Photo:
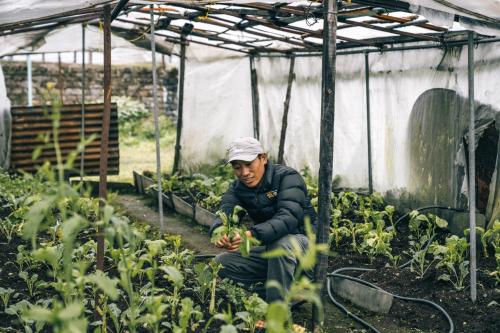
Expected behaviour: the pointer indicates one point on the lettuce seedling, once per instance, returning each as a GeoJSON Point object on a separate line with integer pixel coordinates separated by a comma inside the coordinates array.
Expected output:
{"type": "Point", "coordinates": [231, 227]}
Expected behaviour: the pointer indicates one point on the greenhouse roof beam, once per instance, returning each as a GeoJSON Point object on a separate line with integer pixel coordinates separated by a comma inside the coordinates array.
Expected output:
{"type": "Point", "coordinates": [67, 17]}
{"type": "Point", "coordinates": [270, 24]}
{"type": "Point", "coordinates": [215, 21]}
{"type": "Point", "coordinates": [207, 35]}
{"type": "Point", "coordinates": [392, 31]}
{"type": "Point", "coordinates": [408, 20]}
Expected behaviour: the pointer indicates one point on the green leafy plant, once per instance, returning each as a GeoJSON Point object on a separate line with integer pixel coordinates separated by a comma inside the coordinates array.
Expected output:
{"type": "Point", "coordinates": [255, 310]}
{"type": "Point", "coordinates": [5, 296]}
{"type": "Point", "coordinates": [189, 316]}
{"type": "Point", "coordinates": [377, 241]}
{"type": "Point", "coordinates": [8, 229]}
{"type": "Point", "coordinates": [61, 318]}
{"type": "Point", "coordinates": [337, 231]}
{"type": "Point", "coordinates": [32, 282]}
{"type": "Point", "coordinates": [451, 257]}
{"type": "Point", "coordinates": [231, 227]}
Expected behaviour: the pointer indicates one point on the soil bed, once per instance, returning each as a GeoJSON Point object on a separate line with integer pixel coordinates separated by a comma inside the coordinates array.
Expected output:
{"type": "Point", "coordinates": [482, 316]}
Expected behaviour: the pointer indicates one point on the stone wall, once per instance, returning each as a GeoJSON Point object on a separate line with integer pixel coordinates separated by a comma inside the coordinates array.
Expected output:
{"type": "Point", "coordinates": [133, 81]}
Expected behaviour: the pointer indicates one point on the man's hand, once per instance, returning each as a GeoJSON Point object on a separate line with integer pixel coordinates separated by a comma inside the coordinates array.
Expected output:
{"type": "Point", "coordinates": [234, 245]}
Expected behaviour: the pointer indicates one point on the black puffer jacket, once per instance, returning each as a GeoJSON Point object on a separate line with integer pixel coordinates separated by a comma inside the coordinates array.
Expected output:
{"type": "Point", "coordinates": [277, 206]}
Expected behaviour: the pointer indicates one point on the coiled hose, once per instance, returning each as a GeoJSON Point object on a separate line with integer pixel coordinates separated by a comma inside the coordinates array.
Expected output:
{"type": "Point", "coordinates": [366, 283]}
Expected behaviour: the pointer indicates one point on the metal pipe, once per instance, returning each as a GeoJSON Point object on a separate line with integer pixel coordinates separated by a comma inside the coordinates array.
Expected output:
{"type": "Point", "coordinates": [255, 96]}
{"type": "Point", "coordinates": [180, 105]}
{"type": "Point", "coordinates": [284, 121]}
{"type": "Point", "coordinates": [392, 49]}
{"type": "Point", "coordinates": [118, 9]}
{"type": "Point", "coordinates": [368, 124]}
{"type": "Point", "coordinates": [155, 113]}
{"type": "Point", "coordinates": [326, 142]}
{"type": "Point", "coordinates": [82, 130]}
{"type": "Point", "coordinates": [29, 69]}
{"type": "Point", "coordinates": [103, 163]}
{"type": "Point", "coordinates": [472, 168]}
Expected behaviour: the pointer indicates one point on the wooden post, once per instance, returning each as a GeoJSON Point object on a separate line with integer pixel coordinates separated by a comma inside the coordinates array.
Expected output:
{"type": "Point", "coordinates": [90, 57]}
{"type": "Point", "coordinates": [472, 169]}
{"type": "Point", "coordinates": [255, 96]}
{"type": "Point", "coordinates": [103, 165]}
{"type": "Point", "coordinates": [29, 69]}
{"type": "Point", "coordinates": [326, 142]}
{"type": "Point", "coordinates": [60, 78]}
{"type": "Point", "coordinates": [82, 133]}
{"type": "Point", "coordinates": [180, 105]}
{"type": "Point", "coordinates": [284, 122]}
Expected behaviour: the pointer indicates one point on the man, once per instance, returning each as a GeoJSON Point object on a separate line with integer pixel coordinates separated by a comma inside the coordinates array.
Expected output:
{"type": "Point", "coordinates": [275, 197]}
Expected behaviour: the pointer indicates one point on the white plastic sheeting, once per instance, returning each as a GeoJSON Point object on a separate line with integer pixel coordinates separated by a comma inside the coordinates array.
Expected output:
{"type": "Point", "coordinates": [397, 79]}
{"type": "Point", "coordinates": [23, 10]}
{"type": "Point", "coordinates": [217, 104]}
{"type": "Point", "coordinates": [5, 124]}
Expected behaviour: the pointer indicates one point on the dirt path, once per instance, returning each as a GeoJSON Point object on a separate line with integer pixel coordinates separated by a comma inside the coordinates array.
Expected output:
{"type": "Point", "coordinates": [194, 237]}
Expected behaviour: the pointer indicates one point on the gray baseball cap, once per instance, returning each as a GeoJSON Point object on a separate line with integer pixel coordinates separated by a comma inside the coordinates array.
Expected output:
{"type": "Point", "coordinates": [244, 149]}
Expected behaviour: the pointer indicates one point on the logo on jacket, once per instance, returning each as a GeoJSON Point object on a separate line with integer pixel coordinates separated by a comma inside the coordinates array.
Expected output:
{"type": "Point", "coordinates": [272, 194]}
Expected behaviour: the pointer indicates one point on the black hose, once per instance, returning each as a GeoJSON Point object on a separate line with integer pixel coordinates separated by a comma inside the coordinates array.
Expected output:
{"type": "Point", "coordinates": [346, 311]}
{"type": "Point", "coordinates": [366, 283]}
{"type": "Point", "coordinates": [429, 207]}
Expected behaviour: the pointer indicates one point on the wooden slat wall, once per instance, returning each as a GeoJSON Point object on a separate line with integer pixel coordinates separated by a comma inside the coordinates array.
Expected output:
{"type": "Point", "coordinates": [28, 123]}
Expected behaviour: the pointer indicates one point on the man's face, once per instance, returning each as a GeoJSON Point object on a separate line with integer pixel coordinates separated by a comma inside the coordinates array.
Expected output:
{"type": "Point", "coordinates": [250, 173]}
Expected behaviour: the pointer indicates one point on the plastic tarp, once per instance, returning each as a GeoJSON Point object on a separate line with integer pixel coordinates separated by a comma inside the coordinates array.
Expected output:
{"type": "Point", "coordinates": [480, 16]}
{"type": "Point", "coordinates": [24, 10]}
{"type": "Point", "coordinates": [397, 81]}
{"type": "Point", "coordinates": [5, 124]}
{"type": "Point", "coordinates": [217, 104]}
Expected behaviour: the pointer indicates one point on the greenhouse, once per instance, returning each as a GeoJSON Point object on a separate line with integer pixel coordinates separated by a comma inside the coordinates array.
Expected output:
{"type": "Point", "coordinates": [124, 131]}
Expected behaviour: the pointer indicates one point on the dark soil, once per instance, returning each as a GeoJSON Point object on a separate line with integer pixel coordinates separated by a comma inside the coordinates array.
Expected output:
{"type": "Point", "coordinates": [482, 316]}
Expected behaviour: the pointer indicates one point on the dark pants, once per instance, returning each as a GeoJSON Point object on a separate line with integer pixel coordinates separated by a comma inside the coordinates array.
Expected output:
{"type": "Point", "coordinates": [255, 269]}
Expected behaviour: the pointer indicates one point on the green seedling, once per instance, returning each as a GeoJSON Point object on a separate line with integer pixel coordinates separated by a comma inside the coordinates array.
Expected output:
{"type": "Point", "coordinates": [255, 310]}
{"type": "Point", "coordinates": [32, 282]}
{"type": "Point", "coordinates": [377, 241]}
{"type": "Point", "coordinates": [451, 257]}
{"type": "Point", "coordinates": [189, 317]}
{"type": "Point", "coordinates": [8, 229]}
{"type": "Point", "coordinates": [337, 232]}
{"type": "Point", "coordinates": [61, 318]}
{"type": "Point", "coordinates": [231, 227]}
{"type": "Point", "coordinates": [155, 313]}
{"type": "Point", "coordinates": [5, 296]}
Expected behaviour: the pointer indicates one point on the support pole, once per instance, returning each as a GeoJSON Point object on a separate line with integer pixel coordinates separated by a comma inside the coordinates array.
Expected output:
{"type": "Point", "coordinates": [29, 69]}
{"type": "Point", "coordinates": [103, 163]}
{"type": "Point", "coordinates": [60, 78]}
{"type": "Point", "coordinates": [82, 130]}
{"type": "Point", "coordinates": [284, 121]}
{"type": "Point", "coordinates": [255, 97]}
{"type": "Point", "coordinates": [472, 169]}
{"type": "Point", "coordinates": [326, 143]}
{"type": "Point", "coordinates": [155, 113]}
{"type": "Point", "coordinates": [368, 124]}
{"type": "Point", "coordinates": [180, 105]}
